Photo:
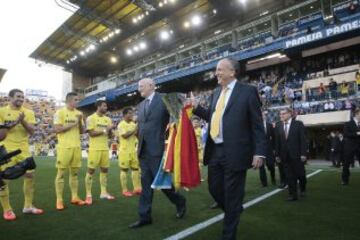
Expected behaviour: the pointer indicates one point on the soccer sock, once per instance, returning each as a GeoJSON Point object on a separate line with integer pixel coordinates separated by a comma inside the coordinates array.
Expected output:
{"type": "Point", "coordinates": [28, 191]}
{"type": "Point", "coordinates": [123, 180]}
{"type": "Point", "coordinates": [88, 184]}
{"type": "Point", "coordinates": [59, 184]}
{"type": "Point", "coordinates": [136, 179]}
{"type": "Point", "coordinates": [74, 183]}
{"type": "Point", "coordinates": [4, 197]}
{"type": "Point", "coordinates": [103, 183]}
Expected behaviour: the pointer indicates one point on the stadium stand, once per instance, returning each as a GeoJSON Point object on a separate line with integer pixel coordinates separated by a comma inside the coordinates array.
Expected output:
{"type": "Point", "coordinates": [305, 55]}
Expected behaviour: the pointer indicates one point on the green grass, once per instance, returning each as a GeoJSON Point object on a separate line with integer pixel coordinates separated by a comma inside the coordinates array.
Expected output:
{"type": "Point", "coordinates": [329, 212]}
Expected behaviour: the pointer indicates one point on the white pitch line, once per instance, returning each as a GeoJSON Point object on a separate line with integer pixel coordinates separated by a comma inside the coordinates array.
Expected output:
{"type": "Point", "coordinates": [191, 230]}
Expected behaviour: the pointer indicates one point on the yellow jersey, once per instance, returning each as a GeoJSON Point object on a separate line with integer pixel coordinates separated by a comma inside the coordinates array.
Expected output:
{"type": "Point", "coordinates": [98, 123]}
{"type": "Point", "coordinates": [127, 145]}
{"type": "Point", "coordinates": [17, 137]}
{"type": "Point", "coordinates": [70, 138]}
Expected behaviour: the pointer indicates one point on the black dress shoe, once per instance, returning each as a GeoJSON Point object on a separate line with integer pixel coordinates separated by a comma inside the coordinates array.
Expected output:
{"type": "Point", "coordinates": [180, 211]}
{"type": "Point", "coordinates": [215, 205]}
{"type": "Point", "coordinates": [283, 186]}
{"type": "Point", "coordinates": [140, 224]}
{"type": "Point", "coordinates": [292, 199]}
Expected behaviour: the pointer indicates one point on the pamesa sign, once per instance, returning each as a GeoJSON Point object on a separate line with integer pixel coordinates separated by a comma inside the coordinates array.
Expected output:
{"type": "Point", "coordinates": [342, 28]}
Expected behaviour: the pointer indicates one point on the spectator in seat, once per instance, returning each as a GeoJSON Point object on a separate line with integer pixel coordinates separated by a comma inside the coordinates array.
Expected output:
{"type": "Point", "coordinates": [357, 76]}
{"type": "Point", "coordinates": [344, 89]}
{"type": "Point", "coordinates": [322, 91]}
{"type": "Point", "coordinates": [333, 88]}
{"type": "Point", "coordinates": [352, 8]}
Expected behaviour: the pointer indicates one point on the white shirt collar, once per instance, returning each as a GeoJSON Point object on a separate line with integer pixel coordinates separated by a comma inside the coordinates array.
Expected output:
{"type": "Point", "coordinates": [356, 121]}
{"type": "Point", "coordinates": [150, 98]}
{"type": "Point", "coordinates": [231, 85]}
{"type": "Point", "coordinates": [289, 122]}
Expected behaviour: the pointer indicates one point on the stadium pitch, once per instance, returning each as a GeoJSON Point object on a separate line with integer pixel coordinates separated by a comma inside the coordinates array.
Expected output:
{"type": "Point", "coordinates": [329, 211]}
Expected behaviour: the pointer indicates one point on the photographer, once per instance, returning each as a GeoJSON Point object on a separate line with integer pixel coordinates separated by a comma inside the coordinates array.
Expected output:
{"type": "Point", "coordinates": [20, 123]}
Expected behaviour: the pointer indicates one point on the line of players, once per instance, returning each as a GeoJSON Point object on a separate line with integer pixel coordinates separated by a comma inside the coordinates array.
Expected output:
{"type": "Point", "coordinates": [69, 125]}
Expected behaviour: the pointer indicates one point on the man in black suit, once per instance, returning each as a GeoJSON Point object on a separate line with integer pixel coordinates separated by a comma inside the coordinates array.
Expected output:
{"type": "Point", "coordinates": [236, 141]}
{"type": "Point", "coordinates": [351, 145]}
{"type": "Point", "coordinates": [290, 150]}
{"type": "Point", "coordinates": [334, 150]}
{"type": "Point", "coordinates": [270, 159]}
{"type": "Point", "coordinates": [153, 118]}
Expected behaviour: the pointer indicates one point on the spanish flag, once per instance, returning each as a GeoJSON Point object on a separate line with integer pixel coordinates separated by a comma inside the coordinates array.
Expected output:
{"type": "Point", "coordinates": [181, 157]}
{"type": "Point", "coordinates": [182, 152]}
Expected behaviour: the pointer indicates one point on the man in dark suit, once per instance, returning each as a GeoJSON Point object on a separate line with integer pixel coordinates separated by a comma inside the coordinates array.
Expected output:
{"type": "Point", "coordinates": [236, 141]}
{"type": "Point", "coordinates": [351, 145]}
{"type": "Point", "coordinates": [334, 149]}
{"type": "Point", "coordinates": [290, 150]}
{"type": "Point", "coordinates": [153, 118]}
{"type": "Point", "coordinates": [270, 159]}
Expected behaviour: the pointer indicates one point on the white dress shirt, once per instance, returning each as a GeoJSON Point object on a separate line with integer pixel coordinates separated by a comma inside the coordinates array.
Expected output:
{"type": "Point", "coordinates": [356, 122]}
{"type": "Point", "coordinates": [150, 98]}
{"type": "Point", "coordinates": [219, 139]}
{"type": "Point", "coordinates": [288, 127]}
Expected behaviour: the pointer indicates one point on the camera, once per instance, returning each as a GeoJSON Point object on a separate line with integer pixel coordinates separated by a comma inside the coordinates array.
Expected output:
{"type": "Point", "coordinates": [17, 170]}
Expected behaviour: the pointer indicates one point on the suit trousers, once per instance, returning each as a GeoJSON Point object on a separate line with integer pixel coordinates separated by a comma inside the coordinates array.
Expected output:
{"type": "Point", "coordinates": [149, 167]}
{"type": "Point", "coordinates": [262, 172]}
{"type": "Point", "coordinates": [282, 173]}
{"type": "Point", "coordinates": [349, 158]}
{"type": "Point", "coordinates": [227, 187]}
{"type": "Point", "coordinates": [295, 171]}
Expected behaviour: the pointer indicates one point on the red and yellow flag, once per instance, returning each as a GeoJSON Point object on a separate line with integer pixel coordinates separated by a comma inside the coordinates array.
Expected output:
{"type": "Point", "coordinates": [182, 152]}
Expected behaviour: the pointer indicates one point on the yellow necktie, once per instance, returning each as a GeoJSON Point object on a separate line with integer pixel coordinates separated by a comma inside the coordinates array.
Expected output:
{"type": "Point", "coordinates": [216, 118]}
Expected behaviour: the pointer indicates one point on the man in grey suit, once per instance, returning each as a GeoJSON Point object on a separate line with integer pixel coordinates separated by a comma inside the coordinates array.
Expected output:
{"type": "Point", "coordinates": [236, 141]}
{"type": "Point", "coordinates": [153, 118]}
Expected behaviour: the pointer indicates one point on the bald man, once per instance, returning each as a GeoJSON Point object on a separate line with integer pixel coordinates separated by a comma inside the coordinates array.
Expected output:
{"type": "Point", "coordinates": [153, 118]}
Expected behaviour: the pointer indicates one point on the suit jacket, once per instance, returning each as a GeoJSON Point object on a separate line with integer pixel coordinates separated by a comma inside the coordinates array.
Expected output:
{"type": "Point", "coordinates": [243, 130]}
{"type": "Point", "coordinates": [152, 126]}
{"type": "Point", "coordinates": [270, 143]}
{"type": "Point", "coordinates": [295, 145]}
{"type": "Point", "coordinates": [335, 144]}
{"type": "Point", "coordinates": [352, 140]}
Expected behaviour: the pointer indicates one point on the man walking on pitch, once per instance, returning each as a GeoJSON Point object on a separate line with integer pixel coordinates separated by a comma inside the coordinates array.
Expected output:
{"type": "Point", "coordinates": [153, 117]}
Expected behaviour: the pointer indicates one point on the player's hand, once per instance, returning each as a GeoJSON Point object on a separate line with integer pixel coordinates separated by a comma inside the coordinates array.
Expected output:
{"type": "Point", "coordinates": [303, 158]}
{"type": "Point", "coordinates": [358, 133]}
{"type": "Point", "coordinates": [109, 128]}
{"type": "Point", "coordinates": [21, 117]}
{"type": "Point", "coordinates": [80, 117]}
{"type": "Point", "coordinates": [257, 162]}
{"type": "Point", "coordinates": [277, 159]}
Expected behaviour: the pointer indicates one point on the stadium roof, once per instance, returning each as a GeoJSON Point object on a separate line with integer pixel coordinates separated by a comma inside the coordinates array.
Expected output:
{"type": "Point", "coordinates": [96, 39]}
{"type": "Point", "coordinates": [2, 73]}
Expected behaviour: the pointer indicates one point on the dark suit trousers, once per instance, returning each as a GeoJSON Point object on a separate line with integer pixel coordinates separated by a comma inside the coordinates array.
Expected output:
{"type": "Point", "coordinates": [282, 174]}
{"type": "Point", "coordinates": [227, 187]}
{"type": "Point", "coordinates": [149, 167]}
{"type": "Point", "coordinates": [262, 172]}
{"type": "Point", "coordinates": [349, 156]}
{"type": "Point", "coordinates": [295, 171]}
{"type": "Point", "coordinates": [334, 158]}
